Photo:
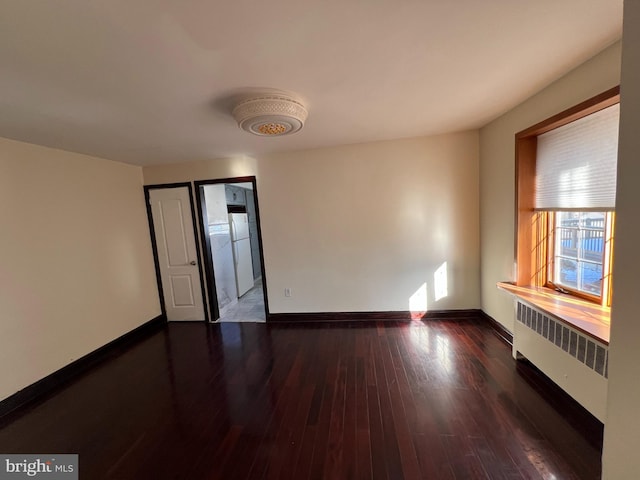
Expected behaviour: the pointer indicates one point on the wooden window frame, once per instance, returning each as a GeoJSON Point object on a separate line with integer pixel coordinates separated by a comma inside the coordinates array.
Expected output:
{"type": "Point", "coordinates": [532, 227]}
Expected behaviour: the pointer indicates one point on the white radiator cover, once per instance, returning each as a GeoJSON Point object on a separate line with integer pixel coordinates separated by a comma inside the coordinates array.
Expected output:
{"type": "Point", "coordinates": [574, 361]}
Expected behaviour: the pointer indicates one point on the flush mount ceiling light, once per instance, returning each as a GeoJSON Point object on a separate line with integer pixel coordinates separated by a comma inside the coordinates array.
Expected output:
{"type": "Point", "coordinates": [270, 115]}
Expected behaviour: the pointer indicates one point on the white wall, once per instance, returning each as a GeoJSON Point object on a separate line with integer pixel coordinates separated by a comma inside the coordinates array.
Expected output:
{"type": "Point", "coordinates": [622, 430]}
{"type": "Point", "coordinates": [76, 268]}
{"type": "Point", "coordinates": [497, 170]}
{"type": "Point", "coordinates": [362, 227]}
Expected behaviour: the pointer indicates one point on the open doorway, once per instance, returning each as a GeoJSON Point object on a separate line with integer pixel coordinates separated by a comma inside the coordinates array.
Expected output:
{"type": "Point", "coordinates": [234, 267]}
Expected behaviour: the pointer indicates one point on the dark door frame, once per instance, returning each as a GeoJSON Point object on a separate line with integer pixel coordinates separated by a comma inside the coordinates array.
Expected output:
{"type": "Point", "coordinates": [214, 312]}
{"type": "Point", "coordinates": [154, 246]}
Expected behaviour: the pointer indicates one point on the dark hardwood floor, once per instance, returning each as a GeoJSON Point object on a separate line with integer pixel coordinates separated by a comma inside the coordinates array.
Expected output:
{"type": "Point", "coordinates": [380, 400]}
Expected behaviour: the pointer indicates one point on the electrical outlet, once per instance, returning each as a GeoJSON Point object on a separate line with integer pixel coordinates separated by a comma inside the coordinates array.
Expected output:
{"type": "Point", "coordinates": [287, 292]}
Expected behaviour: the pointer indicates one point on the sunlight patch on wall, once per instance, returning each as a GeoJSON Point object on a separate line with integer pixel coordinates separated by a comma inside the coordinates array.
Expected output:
{"type": "Point", "coordinates": [440, 285]}
{"type": "Point", "coordinates": [418, 302]}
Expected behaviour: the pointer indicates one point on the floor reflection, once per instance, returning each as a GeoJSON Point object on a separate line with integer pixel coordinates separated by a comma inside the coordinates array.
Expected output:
{"type": "Point", "coordinates": [249, 308]}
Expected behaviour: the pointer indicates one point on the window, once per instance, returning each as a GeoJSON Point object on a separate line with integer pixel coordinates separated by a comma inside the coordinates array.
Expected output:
{"type": "Point", "coordinates": [566, 177]}
{"type": "Point", "coordinates": [579, 246]}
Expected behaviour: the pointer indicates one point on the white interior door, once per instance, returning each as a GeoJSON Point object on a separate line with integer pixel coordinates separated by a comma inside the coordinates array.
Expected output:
{"type": "Point", "coordinates": [177, 255]}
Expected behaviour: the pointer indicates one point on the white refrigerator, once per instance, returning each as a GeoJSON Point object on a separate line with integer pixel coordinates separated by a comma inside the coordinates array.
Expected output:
{"type": "Point", "coordinates": [239, 226]}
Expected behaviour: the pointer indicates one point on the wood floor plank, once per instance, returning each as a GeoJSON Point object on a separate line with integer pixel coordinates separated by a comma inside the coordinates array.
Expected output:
{"type": "Point", "coordinates": [292, 444]}
{"type": "Point", "coordinates": [335, 441]}
{"type": "Point", "coordinates": [389, 437]}
{"type": "Point", "coordinates": [430, 399]}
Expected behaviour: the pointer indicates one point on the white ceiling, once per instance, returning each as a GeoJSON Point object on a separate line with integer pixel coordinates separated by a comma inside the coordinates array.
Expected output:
{"type": "Point", "coordinates": [149, 81]}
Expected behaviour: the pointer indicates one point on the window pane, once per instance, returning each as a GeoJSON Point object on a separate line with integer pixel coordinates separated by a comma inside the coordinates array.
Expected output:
{"type": "Point", "coordinates": [567, 242]}
{"type": "Point", "coordinates": [579, 250]}
{"type": "Point", "coordinates": [591, 278]}
{"type": "Point", "coordinates": [592, 236]}
{"type": "Point", "coordinates": [567, 273]}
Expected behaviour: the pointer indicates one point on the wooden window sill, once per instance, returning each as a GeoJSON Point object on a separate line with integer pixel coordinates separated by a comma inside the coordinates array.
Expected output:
{"type": "Point", "coordinates": [589, 318]}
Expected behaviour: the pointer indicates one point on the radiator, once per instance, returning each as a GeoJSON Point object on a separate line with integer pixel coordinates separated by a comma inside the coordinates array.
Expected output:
{"type": "Point", "coordinates": [575, 361]}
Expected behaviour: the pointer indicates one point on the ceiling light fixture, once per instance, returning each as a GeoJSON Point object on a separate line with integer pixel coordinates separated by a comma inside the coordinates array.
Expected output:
{"type": "Point", "coordinates": [270, 114]}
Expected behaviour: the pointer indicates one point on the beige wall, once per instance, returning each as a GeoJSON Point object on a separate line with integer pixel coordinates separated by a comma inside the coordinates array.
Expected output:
{"type": "Point", "coordinates": [76, 263]}
{"type": "Point", "coordinates": [497, 170]}
{"type": "Point", "coordinates": [240, 166]}
{"type": "Point", "coordinates": [363, 227]}
{"type": "Point", "coordinates": [622, 430]}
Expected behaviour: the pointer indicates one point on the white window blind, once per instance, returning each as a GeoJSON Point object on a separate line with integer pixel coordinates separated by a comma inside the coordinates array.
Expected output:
{"type": "Point", "coordinates": [576, 164]}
